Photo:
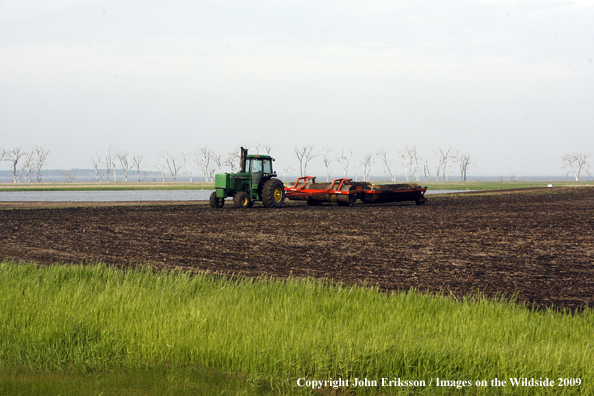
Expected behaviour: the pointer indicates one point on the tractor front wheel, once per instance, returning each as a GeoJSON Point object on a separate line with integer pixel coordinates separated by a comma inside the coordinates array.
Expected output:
{"type": "Point", "coordinates": [216, 202]}
{"type": "Point", "coordinates": [242, 200]}
{"type": "Point", "coordinates": [273, 193]}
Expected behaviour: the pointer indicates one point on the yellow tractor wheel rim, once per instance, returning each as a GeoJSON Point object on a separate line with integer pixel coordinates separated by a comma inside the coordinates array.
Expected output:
{"type": "Point", "coordinates": [244, 201]}
{"type": "Point", "coordinates": [278, 194]}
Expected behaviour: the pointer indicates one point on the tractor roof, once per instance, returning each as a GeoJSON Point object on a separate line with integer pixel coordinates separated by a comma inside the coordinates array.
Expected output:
{"type": "Point", "coordinates": [258, 156]}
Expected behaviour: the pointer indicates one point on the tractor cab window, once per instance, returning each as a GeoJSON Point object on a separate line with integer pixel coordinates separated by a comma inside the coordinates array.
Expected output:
{"type": "Point", "coordinates": [267, 166]}
{"type": "Point", "coordinates": [256, 166]}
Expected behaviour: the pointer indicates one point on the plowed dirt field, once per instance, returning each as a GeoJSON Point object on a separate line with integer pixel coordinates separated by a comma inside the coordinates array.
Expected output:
{"type": "Point", "coordinates": [535, 244]}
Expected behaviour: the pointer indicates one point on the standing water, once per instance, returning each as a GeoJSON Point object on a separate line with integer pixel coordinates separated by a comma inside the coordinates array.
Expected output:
{"type": "Point", "coordinates": [105, 196]}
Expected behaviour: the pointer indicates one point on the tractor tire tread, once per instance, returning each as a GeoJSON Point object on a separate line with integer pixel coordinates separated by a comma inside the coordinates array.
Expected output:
{"type": "Point", "coordinates": [268, 193]}
{"type": "Point", "coordinates": [238, 200]}
{"type": "Point", "coordinates": [214, 202]}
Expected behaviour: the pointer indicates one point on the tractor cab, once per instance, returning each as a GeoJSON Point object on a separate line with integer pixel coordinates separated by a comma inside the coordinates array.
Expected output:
{"type": "Point", "coordinates": [257, 164]}
{"type": "Point", "coordinates": [254, 182]}
{"type": "Point", "coordinates": [260, 168]}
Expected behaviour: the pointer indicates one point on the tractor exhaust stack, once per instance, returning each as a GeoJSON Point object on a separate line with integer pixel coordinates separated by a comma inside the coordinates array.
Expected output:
{"type": "Point", "coordinates": [242, 159]}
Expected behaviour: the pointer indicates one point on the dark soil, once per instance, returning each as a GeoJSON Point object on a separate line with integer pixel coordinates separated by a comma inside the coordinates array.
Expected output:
{"type": "Point", "coordinates": [537, 245]}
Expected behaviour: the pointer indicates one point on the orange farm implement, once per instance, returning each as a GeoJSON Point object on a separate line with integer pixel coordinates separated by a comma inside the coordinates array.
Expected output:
{"type": "Point", "coordinates": [345, 192]}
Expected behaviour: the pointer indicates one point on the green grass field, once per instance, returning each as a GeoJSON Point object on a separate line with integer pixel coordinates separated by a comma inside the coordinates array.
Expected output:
{"type": "Point", "coordinates": [138, 332]}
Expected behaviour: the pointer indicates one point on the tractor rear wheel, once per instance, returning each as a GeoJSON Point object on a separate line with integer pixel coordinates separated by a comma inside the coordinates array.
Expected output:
{"type": "Point", "coordinates": [242, 200]}
{"type": "Point", "coordinates": [273, 193]}
{"type": "Point", "coordinates": [216, 202]}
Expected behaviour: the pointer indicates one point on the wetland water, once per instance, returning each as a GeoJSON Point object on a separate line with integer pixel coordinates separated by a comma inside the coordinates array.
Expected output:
{"type": "Point", "coordinates": [119, 196]}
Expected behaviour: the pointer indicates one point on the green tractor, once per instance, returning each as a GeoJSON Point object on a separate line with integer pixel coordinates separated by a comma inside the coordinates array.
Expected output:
{"type": "Point", "coordinates": [254, 182]}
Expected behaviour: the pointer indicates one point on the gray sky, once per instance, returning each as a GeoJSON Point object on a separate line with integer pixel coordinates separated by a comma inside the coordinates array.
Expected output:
{"type": "Point", "coordinates": [510, 82]}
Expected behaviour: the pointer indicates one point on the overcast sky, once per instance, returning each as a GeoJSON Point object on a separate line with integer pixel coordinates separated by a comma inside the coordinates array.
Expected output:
{"type": "Point", "coordinates": [509, 82]}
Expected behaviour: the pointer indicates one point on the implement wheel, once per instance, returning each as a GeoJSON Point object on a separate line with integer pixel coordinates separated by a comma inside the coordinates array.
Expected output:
{"type": "Point", "coordinates": [366, 198]}
{"type": "Point", "coordinates": [273, 193]}
{"type": "Point", "coordinates": [349, 203]}
{"type": "Point", "coordinates": [242, 200]}
{"type": "Point", "coordinates": [346, 200]}
{"type": "Point", "coordinates": [216, 202]}
{"type": "Point", "coordinates": [421, 201]}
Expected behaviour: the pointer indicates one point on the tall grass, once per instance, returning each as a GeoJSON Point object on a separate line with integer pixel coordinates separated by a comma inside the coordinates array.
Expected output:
{"type": "Point", "coordinates": [97, 318]}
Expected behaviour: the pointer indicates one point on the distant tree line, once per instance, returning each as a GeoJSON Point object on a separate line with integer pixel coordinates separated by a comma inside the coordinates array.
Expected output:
{"type": "Point", "coordinates": [25, 164]}
{"type": "Point", "coordinates": [414, 165]}
{"type": "Point", "coordinates": [170, 165]}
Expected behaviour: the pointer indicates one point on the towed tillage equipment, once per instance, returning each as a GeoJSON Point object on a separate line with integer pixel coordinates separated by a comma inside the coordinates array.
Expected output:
{"type": "Point", "coordinates": [345, 192]}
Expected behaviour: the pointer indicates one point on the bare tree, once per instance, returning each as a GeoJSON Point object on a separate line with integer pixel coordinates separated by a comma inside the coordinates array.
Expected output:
{"type": "Point", "coordinates": [577, 163]}
{"type": "Point", "coordinates": [41, 154]}
{"type": "Point", "coordinates": [112, 156]}
{"type": "Point", "coordinates": [264, 148]}
{"type": "Point", "coordinates": [410, 160]}
{"type": "Point", "coordinates": [416, 159]}
{"type": "Point", "coordinates": [443, 156]}
{"type": "Point", "coordinates": [464, 162]}
{"type": "Point", "coordinates": [159, 169]}
{"type": "Point", "coordinates": [512, 178]}
{"type": "Point", "coordinates": [204, 158]}
{"type": "Point", "coordinates": [2, 152]}
{"type": "Point", "coordinates": [171, 164]}
{"type": "Point", "coordinates": [366, 162]}
{"type": "Point", "coordinates": [233, 158]}
{"type": "Point", "coordinates": [136, 160]}
{"type": "Point", "coordinates": [96, 163]}
{"type": "Point", "coordinates": [383, 156]}
{"type": "Point", "coordinates": [231, 161]}
{"type": "Point", "coordinates": [452, 160]}
{"type": "Point", "coordinates": [357, 171]}
{"type": "Point", "coordinates": [14, 155]}
{"type": "Point", "coordinates": [188, 170]}
{"type": "Point", "coordinates": [69, 176]}
{"type": "Point", "coordinates": [126, 166]}
{"type": "Point", "coordinates": [28, 165]}
{"type": "Point", "coordinates": [217, 164]}
{"type": "Point", "coordinates": [326, 153]}
{"type": "Point", "coordinates": [285, 171]}
{"type": "Point", "coordinates": [426, 170]}
{"type": "Point", "coordinates": [109, 163]}
{"type": "Point", "coordinates": [406, 161]}
{"type": "Point", "coordinates": [304, 155]}
{"type": "Point", "coordinates": [344, 159]}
